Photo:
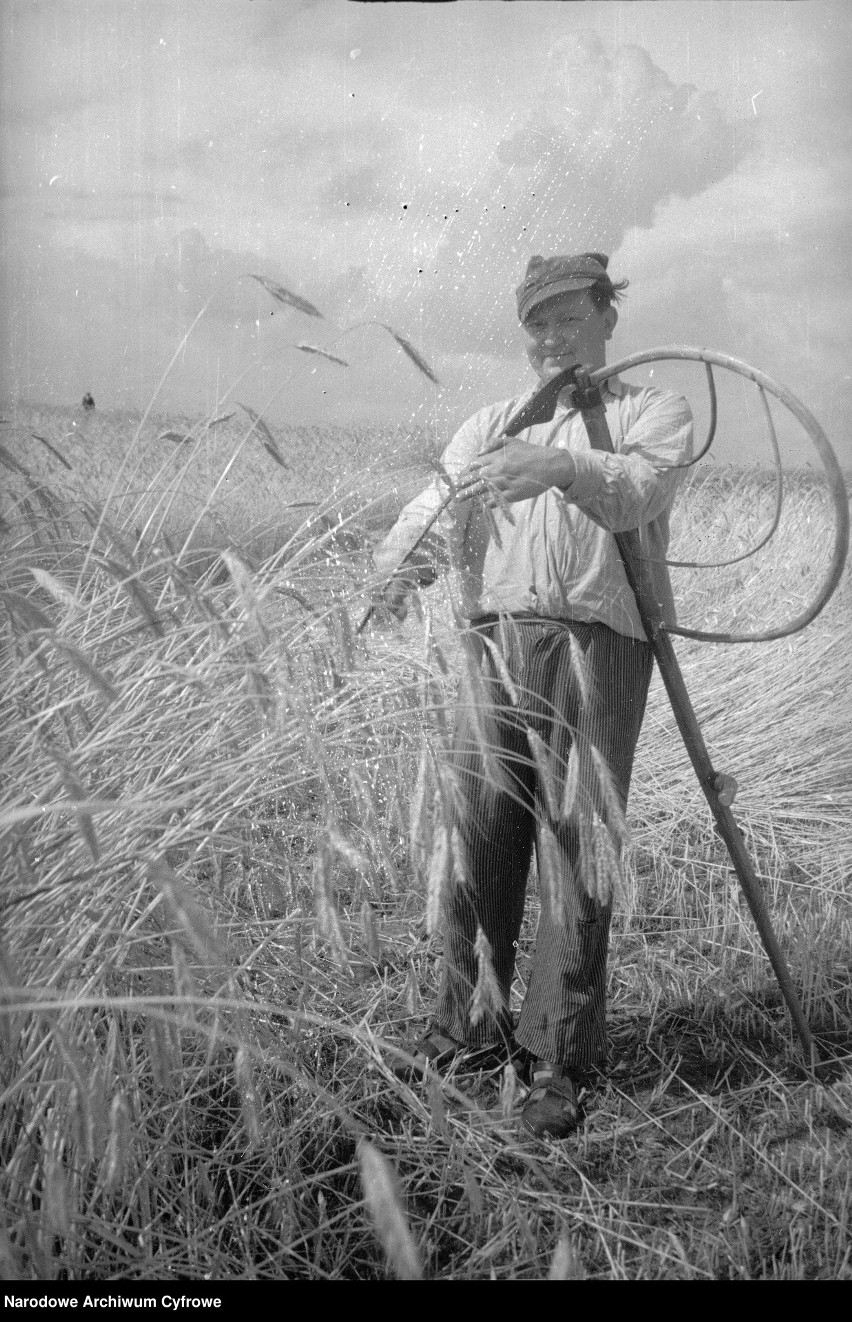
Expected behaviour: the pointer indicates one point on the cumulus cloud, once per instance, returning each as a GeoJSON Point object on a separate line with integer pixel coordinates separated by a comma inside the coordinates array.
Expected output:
{"type": "Point", "coordinates": [611, 139]}
{"type": "Point", "coordinates": [402, 163]}
{"type": "Point", "coordinates": [190, 273]}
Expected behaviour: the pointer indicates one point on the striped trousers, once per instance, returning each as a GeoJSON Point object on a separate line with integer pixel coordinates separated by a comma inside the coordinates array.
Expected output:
{"type": "Point", "coordinates": [589, 692]}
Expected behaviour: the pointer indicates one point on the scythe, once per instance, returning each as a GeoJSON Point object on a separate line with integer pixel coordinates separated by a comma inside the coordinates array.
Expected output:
{"type": "Point", "coordinates": [586, 397]}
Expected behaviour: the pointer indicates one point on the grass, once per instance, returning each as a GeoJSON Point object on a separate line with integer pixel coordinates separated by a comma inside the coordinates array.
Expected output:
{"type": "Point", "coordinates": [213, 923]}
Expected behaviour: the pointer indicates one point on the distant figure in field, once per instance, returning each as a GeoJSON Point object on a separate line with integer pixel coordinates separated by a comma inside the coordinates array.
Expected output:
{"type": "Point", "coordinates": [88, 402]}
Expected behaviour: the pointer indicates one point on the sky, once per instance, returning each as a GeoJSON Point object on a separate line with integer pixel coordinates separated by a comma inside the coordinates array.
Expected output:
{"type": "Point", "coordinates": [399, 164]}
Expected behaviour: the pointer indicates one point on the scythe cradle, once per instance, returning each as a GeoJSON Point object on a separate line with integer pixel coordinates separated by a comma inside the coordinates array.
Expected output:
{"type": "Point", "coordinates": [586, 397]}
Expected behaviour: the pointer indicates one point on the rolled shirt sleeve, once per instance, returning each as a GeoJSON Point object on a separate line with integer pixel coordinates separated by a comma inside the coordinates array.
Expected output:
{"type": "Point", "coordinates": [389, 554]}
{"type": "Point", "coordinates": [638, 483]}
{"type": "Point", "coordinates": [449, 528]}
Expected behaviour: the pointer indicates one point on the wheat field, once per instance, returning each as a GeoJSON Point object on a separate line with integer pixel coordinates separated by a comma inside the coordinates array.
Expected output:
{"type": "Point", "coordinates": [213, 916]}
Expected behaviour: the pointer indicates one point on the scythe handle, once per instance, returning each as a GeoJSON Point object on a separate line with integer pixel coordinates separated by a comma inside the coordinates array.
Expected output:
{"type": "Point", "coordinates": [731, 834]}
{"type": "Point", "coordinates": [594, 417]}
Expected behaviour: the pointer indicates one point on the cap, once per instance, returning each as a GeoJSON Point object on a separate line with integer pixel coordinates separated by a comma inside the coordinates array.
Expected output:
{"type": "Point", "coordinates": [548, 276]}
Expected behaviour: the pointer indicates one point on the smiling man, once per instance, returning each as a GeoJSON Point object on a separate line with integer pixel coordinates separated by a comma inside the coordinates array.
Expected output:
{"type": "Point", "coordinates": [562, 667]}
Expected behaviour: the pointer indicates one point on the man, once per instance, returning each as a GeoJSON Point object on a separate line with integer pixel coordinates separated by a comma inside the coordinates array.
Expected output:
{"type": "Point", "coordinates": [544, 754]}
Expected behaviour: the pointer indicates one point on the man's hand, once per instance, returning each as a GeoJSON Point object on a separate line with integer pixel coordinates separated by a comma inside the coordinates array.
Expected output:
{"type": "Point", "coordinates": [396, 594]}
{"type": "Point", "coordinates": [391, 600]}
{"type": "Point", "coordinates": [509, 471]}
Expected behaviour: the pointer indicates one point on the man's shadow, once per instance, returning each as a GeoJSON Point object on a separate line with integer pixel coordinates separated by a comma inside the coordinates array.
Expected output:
{"type": "Point", "coordinates": [724, 1047]}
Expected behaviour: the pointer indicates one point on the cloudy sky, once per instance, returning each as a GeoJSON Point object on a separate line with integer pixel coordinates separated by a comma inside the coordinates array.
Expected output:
{"type": "Point", "coordinates": [399, 163]}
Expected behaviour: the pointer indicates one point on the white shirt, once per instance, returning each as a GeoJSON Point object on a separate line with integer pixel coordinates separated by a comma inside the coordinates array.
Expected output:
{"type": "Point", "coordinates": [559, 559]}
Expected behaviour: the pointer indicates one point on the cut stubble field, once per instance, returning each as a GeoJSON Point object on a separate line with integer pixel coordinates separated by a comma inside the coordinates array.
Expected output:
{"type": "Point", "coordinates": [218, 913]}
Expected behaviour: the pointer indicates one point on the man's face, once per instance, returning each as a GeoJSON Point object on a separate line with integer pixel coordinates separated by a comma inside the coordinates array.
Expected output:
{"type": "Point", "coordinates": [568, 331]}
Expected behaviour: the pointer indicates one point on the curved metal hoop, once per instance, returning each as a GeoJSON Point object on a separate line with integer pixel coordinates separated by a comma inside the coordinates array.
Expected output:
{"type": "Point", "coordinates": [828, 459]}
